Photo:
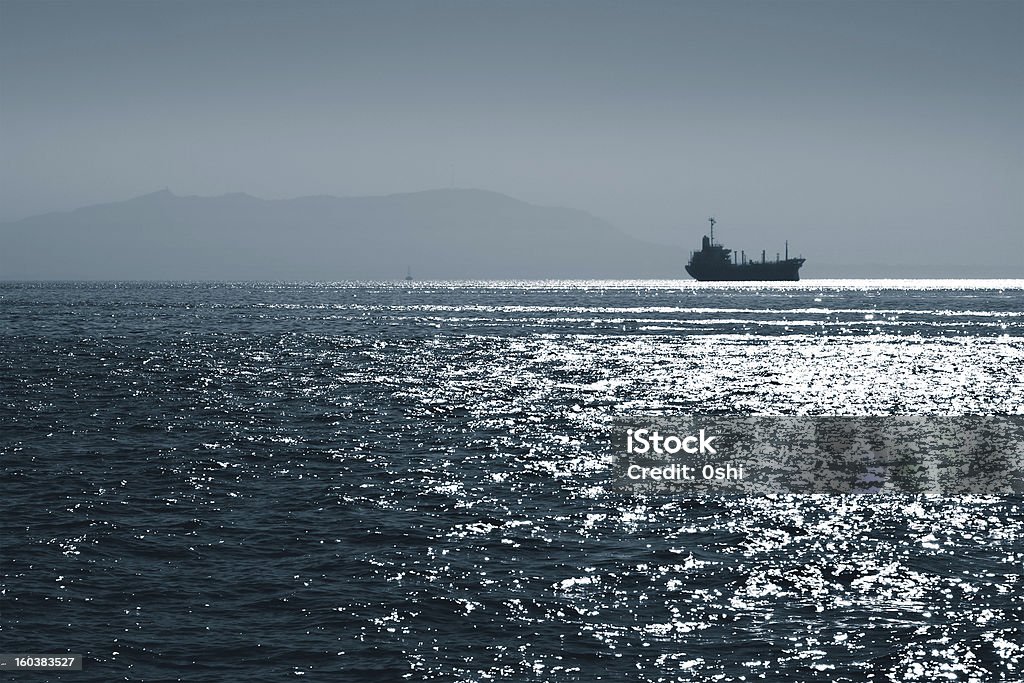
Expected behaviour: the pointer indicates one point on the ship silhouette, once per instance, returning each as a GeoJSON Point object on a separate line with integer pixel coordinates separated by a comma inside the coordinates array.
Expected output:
{"type": "Point", "coordinates": [715, 262]}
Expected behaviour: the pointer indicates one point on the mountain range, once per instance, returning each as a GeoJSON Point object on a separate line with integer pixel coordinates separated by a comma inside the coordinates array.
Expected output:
{"type": "Point", "coordinates": [438, 234]}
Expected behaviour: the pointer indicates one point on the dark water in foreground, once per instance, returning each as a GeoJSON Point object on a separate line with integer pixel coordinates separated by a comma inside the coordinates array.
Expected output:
{"type": "Point", "coordinates": [227, 482]}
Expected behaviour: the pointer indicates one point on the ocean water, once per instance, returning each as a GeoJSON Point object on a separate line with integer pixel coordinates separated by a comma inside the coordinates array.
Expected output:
{"type": "Point", "coordinates": [412, 481]}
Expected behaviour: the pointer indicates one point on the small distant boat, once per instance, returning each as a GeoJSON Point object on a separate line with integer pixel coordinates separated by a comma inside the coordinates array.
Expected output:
{"type": "Point", "coordinates": [408, 274]}
{"type": "Point", "coordinates": [715, 262]}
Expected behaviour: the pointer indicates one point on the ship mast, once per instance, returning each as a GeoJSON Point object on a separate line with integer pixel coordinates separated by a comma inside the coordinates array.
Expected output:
{"type": "Point", "coordinates": [712, 221]}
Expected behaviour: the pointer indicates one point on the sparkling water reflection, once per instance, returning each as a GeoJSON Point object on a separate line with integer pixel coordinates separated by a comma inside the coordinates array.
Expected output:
{"type": "Point", "coordinates": [227, 481]}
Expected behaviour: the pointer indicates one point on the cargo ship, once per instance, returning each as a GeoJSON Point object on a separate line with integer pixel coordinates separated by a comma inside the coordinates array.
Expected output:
{"type": "Point", "coordinates": [715, 262]}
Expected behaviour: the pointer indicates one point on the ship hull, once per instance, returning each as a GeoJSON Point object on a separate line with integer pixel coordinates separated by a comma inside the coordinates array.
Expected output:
{"type": "Point", "coordinates": [773, 271]}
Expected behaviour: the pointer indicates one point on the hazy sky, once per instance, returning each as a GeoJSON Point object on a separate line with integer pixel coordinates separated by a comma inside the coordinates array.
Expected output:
{"type": "Point", "coordinates": [830, 123]}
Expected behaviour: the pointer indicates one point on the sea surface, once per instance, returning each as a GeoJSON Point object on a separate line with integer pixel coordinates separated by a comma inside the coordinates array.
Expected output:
{"type": "Point", "coordinates": [412, 481]}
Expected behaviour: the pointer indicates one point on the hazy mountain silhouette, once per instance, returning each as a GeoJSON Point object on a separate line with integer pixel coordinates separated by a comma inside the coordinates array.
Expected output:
{"type": "Point", "coordinates": [438, 233]}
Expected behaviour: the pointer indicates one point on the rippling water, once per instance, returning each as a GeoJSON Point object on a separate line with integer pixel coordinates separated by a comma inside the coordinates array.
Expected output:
{"type": "Point", "coordinates": [388, 482]}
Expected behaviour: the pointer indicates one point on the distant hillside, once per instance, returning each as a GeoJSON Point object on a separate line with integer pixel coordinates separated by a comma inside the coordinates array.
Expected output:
{"type": "Point", "coordinates": [438, 234]}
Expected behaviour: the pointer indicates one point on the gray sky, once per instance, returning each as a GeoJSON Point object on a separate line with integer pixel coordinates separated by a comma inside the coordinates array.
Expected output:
{"type": "Point", "coordinates": [835, 124]}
